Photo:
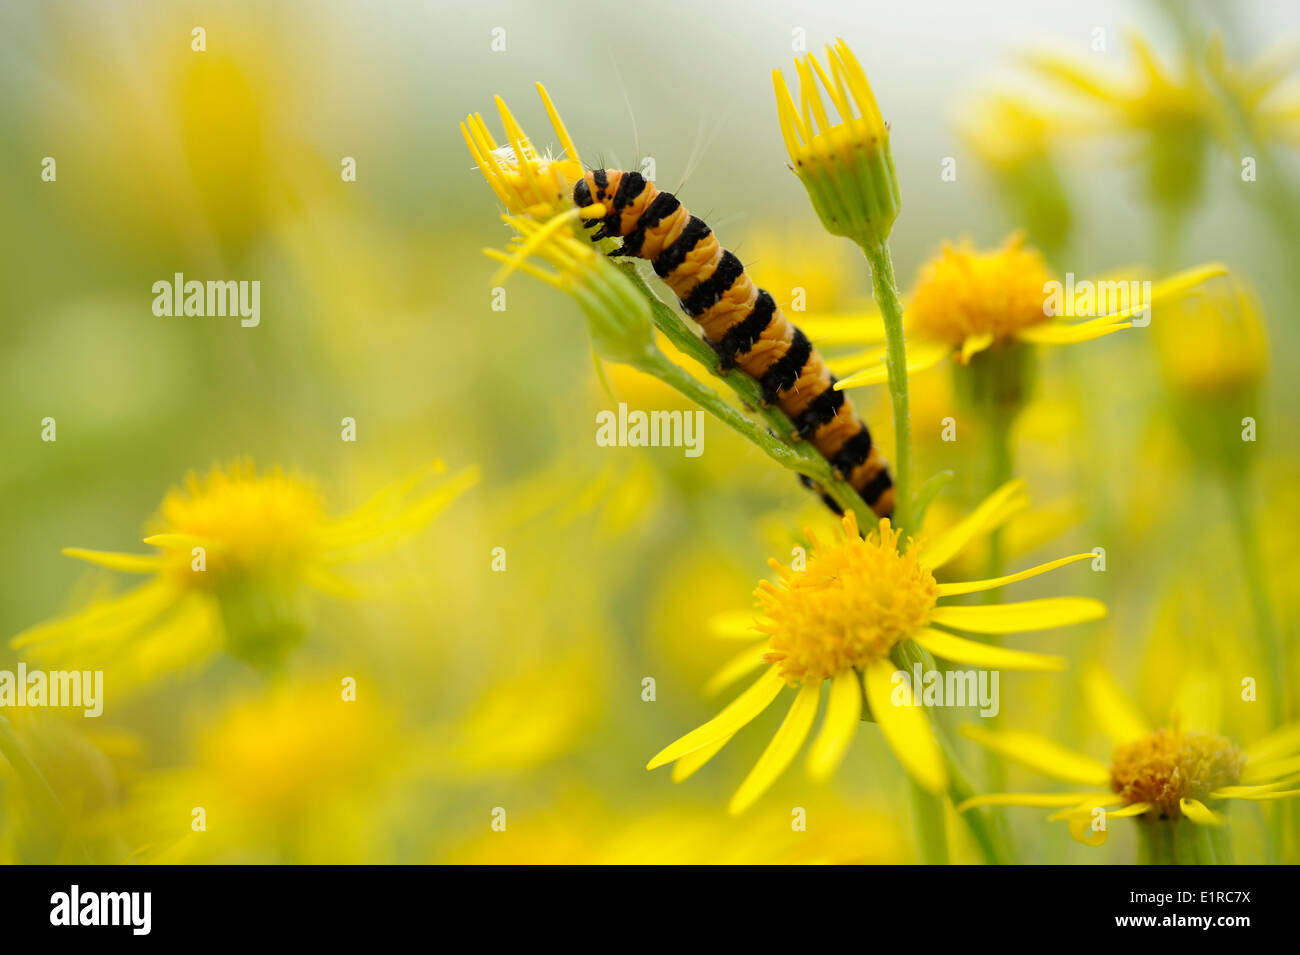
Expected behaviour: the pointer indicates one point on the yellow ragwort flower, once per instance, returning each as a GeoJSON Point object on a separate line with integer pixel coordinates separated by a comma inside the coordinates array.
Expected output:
{"type": "Point", "coordinates": [237, 552]}
{"type": "Point", "coordinates": [293, 775]}
{"type": "Point", "coordinates": [527, 183]}
{"type": "Point", "coordinates": [841, 618]}
{"type": "Point", "coordinates": [623, 834]}
{"type": "Point", "coordinates": [843, 160]}
{"type": "Point", "coordinates": [1171, 110]}
{"type": "Point", "coordinates": [967, 301]}
{"type": "Point", "coordinates": [1263, 92]}
{"type": "Point", "coordinates": [1161, 774]}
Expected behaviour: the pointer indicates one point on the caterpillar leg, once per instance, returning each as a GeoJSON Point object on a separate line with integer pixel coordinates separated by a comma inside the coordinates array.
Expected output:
{"type": "Point", "coordinates": [829, 501]}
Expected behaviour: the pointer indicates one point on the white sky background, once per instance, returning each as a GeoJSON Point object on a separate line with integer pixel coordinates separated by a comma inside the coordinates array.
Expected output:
{"type": "Point", "coordinates": [684, 64]}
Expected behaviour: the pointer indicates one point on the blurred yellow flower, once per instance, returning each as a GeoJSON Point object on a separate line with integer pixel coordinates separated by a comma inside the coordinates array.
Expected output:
{"type": "Point", "coordinates": [523, 721]}
{"type": "Point", "coordinates": [804, 269]}
{"type": "Point", "coordinates": [1212, 343]}
{"type": "Point", "coordinates": [1016, 140]}
{"type": "Point", "coordinates": [841, 618]}
{"type": "Point", "coordinates": [966, 302]}
{"type": "Point", "coordinates": [236, 553]}
{"type": "Point", "coordinates": [1162, 775]}
{"type": "Point", "coordinates": [1177, 112]}
{"type": "Point", "coordinates": [1172, 111]}
{"type": "Point", "coordinates": [526, 183]}
{"type": "Point", "coordinates": [296, 776]}
{"type": "Point", "coordinates": [583, 830]}
{"type": "Point", "coordinates": [61, 783]}
{"type": "Point", "coordinates": [844, 161]}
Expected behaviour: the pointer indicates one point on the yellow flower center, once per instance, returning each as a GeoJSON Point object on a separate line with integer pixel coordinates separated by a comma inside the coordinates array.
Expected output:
{"type": "Point", "coordinates": [965, 294]}
{"type": "Point", "coordinates": [269, 524]}
{"type": "Point", "coordinates": [526, 183]}
{"type": "Point", "coordinates": [1170, 765]}
{"type": "Point", "coordinates": [543, 183]}
{"type": "Point", "coordinates": [849, 606]}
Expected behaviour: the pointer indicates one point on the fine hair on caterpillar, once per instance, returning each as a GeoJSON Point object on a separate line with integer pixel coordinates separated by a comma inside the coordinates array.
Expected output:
{"type": "Point", "coordinates": [740, 320]}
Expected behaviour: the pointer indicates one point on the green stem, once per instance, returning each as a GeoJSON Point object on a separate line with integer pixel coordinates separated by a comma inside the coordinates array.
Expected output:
{"type": "Point", "coordinates": [685, 340]}
{"type": "Point", "coordinates": [802, 459]}
{"type": "Point", "coordinates": [931, 826]}
{"type": "Point", "coordinates": [998, 422]}
{"type": "Point", "coordinates": [1181, 842]}
{"type": "Point", "coordinates": [1266, 637]}
{"type": "Point", "coordinates": [38, 790]}
{"type": "Point", "coordinates": [1170, 216]}
{"type": "Point", "coordinates": [978, 822]}
{"type": "Point", "coordinates": [779, 440]}
{"type": "Point", "coordinates": [885, 288]}
{"type": "Point", "coordinates": [1221, 837]}
{"type": "Point", "coordinates": [37, 787]}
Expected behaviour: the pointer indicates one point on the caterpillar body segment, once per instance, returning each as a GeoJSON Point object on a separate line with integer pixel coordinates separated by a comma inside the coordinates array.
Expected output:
{"type": "Point", "coordinates": [741, 321]}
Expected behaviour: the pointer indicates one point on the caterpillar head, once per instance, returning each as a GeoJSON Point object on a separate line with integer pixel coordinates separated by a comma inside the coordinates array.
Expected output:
{"type": "Point", "coordinates": [608, 187]}
{"type": "Point", "coordinates": [598, 185]}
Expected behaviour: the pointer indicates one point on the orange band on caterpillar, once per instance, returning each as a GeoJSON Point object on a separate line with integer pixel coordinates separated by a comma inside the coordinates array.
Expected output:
{"type": "Point", "coordinates": [741, 321]}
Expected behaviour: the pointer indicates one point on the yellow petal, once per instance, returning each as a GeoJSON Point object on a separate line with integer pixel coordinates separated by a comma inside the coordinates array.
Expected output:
{"type": "Point", "coordinates": [905, 728]}
{"type": "Point", "coordinates": [973, 345]}
{"type": "Point", "coordinates": [870, 360]}
{"type": "Point", "coordinates": [992, 511]}
{"type": "Point", "coordinates": [1041, 754]}
{"type": "Point", "coordinates": [876, 374]}
{"type": "Point", "coordinates": [1280, 742]}
{"type": "Point", "coordinates": [1136, 809]}
{"type": "Point", "coordinates": [746, 661]}
{"type": "Point", "coordinates": [1197, 701]}
{"type": "Point", "coordinates": [688, 764]}
{"type": "Point", "coordinates": [1200, 813]}
{"type": "Point", "coordinates": [1180, 282]}
{"type": "Point", "coordinates": [975, 586]}
{"type": "Point", "coordinates": [1276, 794]}
{"type": "Point", "coordinates": [736, 715]}
{"type": "Point", "coordinates": [1250, 792]}
{"type": "Point", "coordinates": [127, 563]}
{"type": "Point", "coordinates": [843, 712]}
{"type": "Point", "coordinates": [1075, 75]}
{"type": "Point", "coordinates": [1038, 800]}
{"type": "Point", "coordinates": [566, 141]}
{"type": "Point", "coordinates": [734, 625]}
{"type": "Point", "coordinates": [1264, 769]}
{"type": "Point", "coordinates": [785, 744]}
{"type": "Point", "coordinates": [1071, 333]}
{"type": "Point", "coordinates": [105, 621]}
{"type": "Point", "coordinates": [849, 328]}
{"type": "Point", "coordinates": [177, 541]}
{"type": "Point", "coordinates": [960, 650]}
{"type": "Point", "coordinates": [1081, 828]}
{"type": "Point", "coordinates": [1021, 617]}
{"type": "Point", "coordinates": [921, 355]}
{"type": "Point", "coordinates": [1118, 717]}
{"type": "Point", "coordinates": [1094, 801]}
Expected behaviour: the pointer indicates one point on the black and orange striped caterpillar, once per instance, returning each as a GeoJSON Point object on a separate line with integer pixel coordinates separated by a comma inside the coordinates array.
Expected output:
{"type": "Point", "coordinates": [741, 321]}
